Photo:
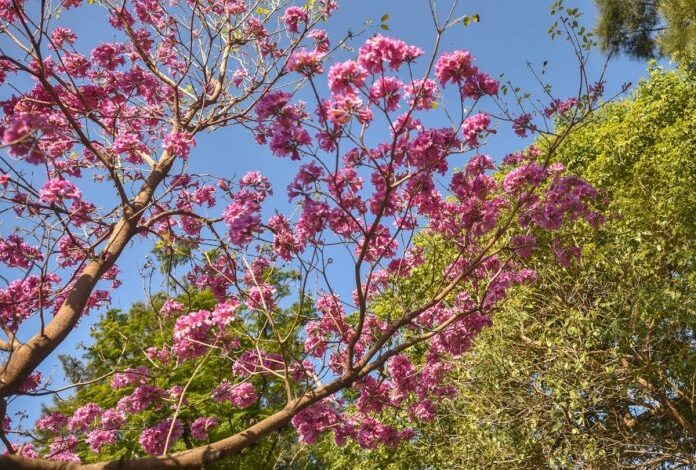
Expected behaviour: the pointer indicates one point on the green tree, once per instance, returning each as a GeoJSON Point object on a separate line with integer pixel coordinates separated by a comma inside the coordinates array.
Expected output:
{"type": "Point", "coordinates": [119, 341]}
{"type": "Point", "coordinates": [594, 366]}
{"type": "Point", "coordinates": [647, 29]}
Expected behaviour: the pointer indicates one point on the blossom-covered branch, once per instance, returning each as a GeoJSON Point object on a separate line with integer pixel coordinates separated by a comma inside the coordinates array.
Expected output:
{"type": "Point", "coordinates": [389, 170]}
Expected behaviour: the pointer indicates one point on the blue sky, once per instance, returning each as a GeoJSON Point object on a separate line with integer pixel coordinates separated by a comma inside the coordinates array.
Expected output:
{"type": "Point", "coordinates": [510, 33]}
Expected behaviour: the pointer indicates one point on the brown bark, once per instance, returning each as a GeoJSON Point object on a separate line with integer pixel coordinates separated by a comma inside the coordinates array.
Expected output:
{"type": "Point", "coordinates": [199, 456]}
{"type": "Point", "coordinates": [28, 356]}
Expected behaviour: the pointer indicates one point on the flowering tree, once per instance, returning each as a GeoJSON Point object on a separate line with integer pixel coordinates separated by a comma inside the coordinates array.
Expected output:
{"type": "Point", "coordinates": [372, 173]}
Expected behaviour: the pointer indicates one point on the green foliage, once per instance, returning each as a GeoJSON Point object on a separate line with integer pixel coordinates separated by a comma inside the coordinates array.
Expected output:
{"type": "Point", "coordinates": [594, 366]}
{"type": "Point", "coordinates": [647, 29]}
{"type": "Point", "coordinates": [119, 340]}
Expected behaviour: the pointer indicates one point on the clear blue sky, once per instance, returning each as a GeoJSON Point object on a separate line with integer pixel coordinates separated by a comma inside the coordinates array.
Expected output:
{"type": "Point", "coordinates": [510, 33]}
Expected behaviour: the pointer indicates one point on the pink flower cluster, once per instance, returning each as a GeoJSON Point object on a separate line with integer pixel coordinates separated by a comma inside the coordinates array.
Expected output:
{"type": "Point", "coordinates": [201, 426]}
{"type": "Point", "coordinates": [307, 63]}
{"type": "Point", "coordinates": [52, 422]}
{"type": "Point", "coordinates": [99, 438]}
{"type": "Point", "coordinates": [346, 77]}
{"type": "Point", "coordinates": [143, 397]}
{"type": "Point", "coordinates": [178, 144]}
{"type": "Point", "coordinates": [293, 17]}
{"type": "Point", "coordinates": [113, 419]}
{"type": "Point", "coordinates": [457, 67]}
{"type": "Point", "coordinates": [380, 50]}
{"type": "Point", "coordinates": [242, 215]}
{"type": "Point", "coordinates": [15, 252]}
{"type": "Point", "coordinates": [23, 297]}
{"type": "Point", "coordinates": [84, 416]}
{"type": "Point", "coordinates": [195, 332]}
{"type": "Point", "coordinates": [56, 190]}
{"type": "Point", "coordinates": [32, 382]}
{"type": "Point", "coordinates": [474, 126]}
{"type": "Point", "coordinates": [154, 439]}
{"type": "Point", "coordinates": [241, 396]}
{"type": "Point", "coordinates": [131, 376]}
{"type": "Point", "coordinates": [285, 134]}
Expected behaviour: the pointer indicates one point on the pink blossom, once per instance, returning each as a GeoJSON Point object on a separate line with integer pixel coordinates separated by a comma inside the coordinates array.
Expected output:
{"type": "Point", "coordinates": [154, 439]}
{"type": "Point", "coordinates": [422, 93]}
{"type": "Point", "coordinates": [261, 297]}
{"type": "Point", "coordinates": [235, 7]}
{"type": "Point", "coordinates": [523, 245]}
{"type": "Point", "coordinates": [178, 144]}
{"type": "Point", "coordinates": [238, 77]}
{"type": "Point", "coordinates": [565, 254]}
{"type": "Point", "coordinates": [52, 422]}
{"type": "Point", "coordinates": [109, 56]}
{"type": "Point", "coordinates": [457, 337]}
{"type": "Point", "coordinates": [61, 36]}
{"type": "Point", "coordinates": [64, 456]}
{"type": "Point", "coordinates": [16, 253]}
{"type": "Point", "coordinates": [518, 178]}
{"type": "Point", "coordinates": [205, 195]}
{"type": "Point", "coordinates": [31, 383]}
{"type": "Point", "coordinates": [76, 64]}
{"type": "Point", "coordinates": [521, 124]}
{"type": "Point", "coordinates": [241, 396]}
{"type": "Point", "coordinates": [345, 77]}
{"type": "Point", "coordinates": [478, 85]}
{"type": "Point", "coordinates": [171, 308]}
{"type": "Point", "coordinates": [255, 28]}
{"type": "Point", "coordinates": [99, 438]}
{"type": "Point", "coordinates": [27, 450]}
{"type": "Point", "coordinates": [474, 126]}
{"type": "Point", "coordinates": [156, 354]}
{"type": "Point", "coordinates": [242, 216]}
{"type": "Point", "coordinates": [71, 3]}
{"type": "Point", "coordinates": [23, 297]}
{"type": "Point", "coordinates": [191, 334]}
{"type": "Point", "coordinates": [454, 67]}
{"type": "Point", "coordinates": [293, 17]}
{"type": "Point", "coordinates": [322, 40]}
{"type": "Point", "coordinates": [201, 426]}
{"type": "Point", "coordinates": [312, 421]}
{"type": "Point", "coordinates": [430, 149]}
{"type": "Point", "coordinates": [257, 362]}
{"type": "Point", "coordinates": [285, 243]}
{"type": "Point", "coordinates": [224, 312]}
{"type": "Point", "coordinates": [142, 398]}
{"type": "Point", "coordinates": [386, 92]}
{"type": "Point", "coordinates": [424, 411]}
{"type": "Point", "coordinates": [380, 49]}
{"type": "Point", "coordinates": [558, 106]}
{"type": "Point", "coordinates": [329, 6]}
{"type": "Point", "coordinates": [131, 376]}
{"type": "Point", "coordinates": [343, 108]}
{"type": "Point", "coordinates": [55, 190]}
{"type": "Point", "coordinates": [63, 444]}
{"type": "Point", "coordinates": [371, 434]}
{"type": "Point", "coordinates": [113, 418]}
{"type": "Point", "coordinates": [307, 63]}
{"type": "Point", "coordinates": [84, 416]}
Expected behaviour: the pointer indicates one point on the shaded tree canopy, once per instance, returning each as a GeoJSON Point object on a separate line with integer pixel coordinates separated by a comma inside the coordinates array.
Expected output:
{"type": "Point", "coordinates": [647, 29]}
